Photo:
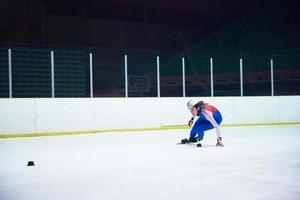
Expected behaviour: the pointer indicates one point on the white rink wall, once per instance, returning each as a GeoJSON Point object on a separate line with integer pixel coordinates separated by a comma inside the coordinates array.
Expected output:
{"type": "Point", "coordinates": [30, 115]}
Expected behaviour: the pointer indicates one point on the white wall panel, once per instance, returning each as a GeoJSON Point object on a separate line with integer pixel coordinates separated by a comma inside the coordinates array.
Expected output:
{"type": "Point", "coordinates": [256, 110]}
{"type": "Point", "coordinates": [17, 115]}
{"type": "Point", "coordinates": [78, 114]}
{"type": "Point", "coordinates": [121, 113]}
{"type": "Point", "coordinates": [289, 109]}
{"type": "Point", "coordinates": [174, 111]}
{"type": "Point", "coordinates": [64, 114]}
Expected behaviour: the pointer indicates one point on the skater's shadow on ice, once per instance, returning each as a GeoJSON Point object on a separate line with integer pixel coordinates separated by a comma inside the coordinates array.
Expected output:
{"type": "Point", "coordinates": [195, 145]}
{"type": "Point", "coordinates": [208, 145]}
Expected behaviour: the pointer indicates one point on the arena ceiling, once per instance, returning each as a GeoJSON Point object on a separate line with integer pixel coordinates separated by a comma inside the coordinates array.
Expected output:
{"type": "Point", "coordinates": [173, 12]}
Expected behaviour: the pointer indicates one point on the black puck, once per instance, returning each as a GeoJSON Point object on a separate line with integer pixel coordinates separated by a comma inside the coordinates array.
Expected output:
{"type": "Point", "coordinates": [199, 145]}
{"type": "Point", "coordinates": [30, 163]}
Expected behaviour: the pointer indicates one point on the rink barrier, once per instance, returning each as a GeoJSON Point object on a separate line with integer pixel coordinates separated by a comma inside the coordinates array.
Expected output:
{"type": "Point", "coordinates": [62, 116]}
{"type": "Point", "coordinates": [175, 127]}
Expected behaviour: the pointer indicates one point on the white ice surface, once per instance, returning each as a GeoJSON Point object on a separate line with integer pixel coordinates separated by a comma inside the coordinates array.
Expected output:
{"type": "Point", "coordinates": [257, 163]}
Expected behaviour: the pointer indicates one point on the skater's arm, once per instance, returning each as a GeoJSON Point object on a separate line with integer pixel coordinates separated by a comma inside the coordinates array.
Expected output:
{"type": "Point", "coordinates": [208, 115]}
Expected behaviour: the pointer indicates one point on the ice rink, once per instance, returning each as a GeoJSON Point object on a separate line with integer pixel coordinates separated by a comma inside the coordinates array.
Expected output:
{"type": "Point", "coordinates": [257, 163]}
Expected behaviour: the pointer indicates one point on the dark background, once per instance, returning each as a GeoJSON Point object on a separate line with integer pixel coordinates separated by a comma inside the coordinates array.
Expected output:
{"type": "Point", "coordinates": [27, 21]}
{"type": "Point", "coordinates": [226, 31]}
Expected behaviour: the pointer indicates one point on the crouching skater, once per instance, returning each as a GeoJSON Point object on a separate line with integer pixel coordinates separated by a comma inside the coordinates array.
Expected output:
{"type": "Point", "coordinates": [208, 118]}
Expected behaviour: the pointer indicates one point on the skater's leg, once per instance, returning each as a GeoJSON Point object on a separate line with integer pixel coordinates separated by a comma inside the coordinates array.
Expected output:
{"type": "Point", "coordinates": [193, 133]}
{"type": "Point", "coordinates": [202, 124]}
{"type": "Point", "coordinates": [218, 117]}
{"type": "Point", "coordinates": [200, 134]}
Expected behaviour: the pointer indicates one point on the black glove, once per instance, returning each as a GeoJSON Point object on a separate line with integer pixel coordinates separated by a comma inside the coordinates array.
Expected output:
{"type": "Point", "coordinates": [191, 122]}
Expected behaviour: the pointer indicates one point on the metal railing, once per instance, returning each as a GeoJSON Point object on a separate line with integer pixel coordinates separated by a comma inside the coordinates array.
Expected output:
{"type": "Point", "coordinates": [147, 83]}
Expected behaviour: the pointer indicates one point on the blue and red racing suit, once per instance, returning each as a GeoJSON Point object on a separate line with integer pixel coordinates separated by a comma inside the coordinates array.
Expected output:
{"type": "Point", "coordinates": [203, 124]}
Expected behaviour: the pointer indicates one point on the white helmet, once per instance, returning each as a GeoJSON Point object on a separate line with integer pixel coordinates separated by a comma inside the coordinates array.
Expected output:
{"type": "Point", "coordinates": [191, 103]}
